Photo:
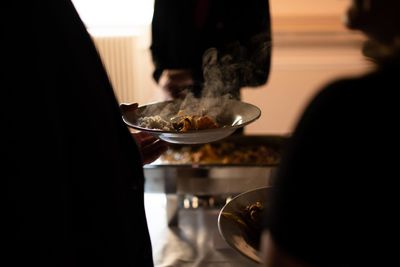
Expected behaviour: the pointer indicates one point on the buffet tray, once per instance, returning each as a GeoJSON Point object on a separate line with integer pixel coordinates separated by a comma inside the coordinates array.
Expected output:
{"type": "Point", "coordinates": [211, 183]}
{"type": "Point", "coordinates": [234, 151]}
{"type": "Point", "coordinates": [214, 177]}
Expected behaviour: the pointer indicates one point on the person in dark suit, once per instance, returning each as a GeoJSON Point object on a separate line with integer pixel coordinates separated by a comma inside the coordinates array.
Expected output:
{"type": "Point", "coordinates": [73, 177]}
{"type": "Point", "coordinates": [200, 41]}
{"type": "Point", "coordinates": [333, 201]}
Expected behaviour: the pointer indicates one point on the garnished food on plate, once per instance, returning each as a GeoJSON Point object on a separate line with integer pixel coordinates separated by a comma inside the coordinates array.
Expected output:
{"type": "Point", "coordinates": [190, 122]}
{"type": "Point", "coordinates": [155, 122]}
{"type": "Point", "coordinates": [194, 122]}
{"type": "Point", "coordinates": [179, 123]}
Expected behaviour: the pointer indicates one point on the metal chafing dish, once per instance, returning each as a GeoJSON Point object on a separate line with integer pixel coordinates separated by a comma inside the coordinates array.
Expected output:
{"type": "Point", "coordinates": [206, 183]}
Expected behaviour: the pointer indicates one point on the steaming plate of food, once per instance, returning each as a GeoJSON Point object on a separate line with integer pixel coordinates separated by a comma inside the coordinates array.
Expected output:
{"type": "Point", "coordinates": [190, 121]}
{"type": "Point", "coordinates": [240, 222]}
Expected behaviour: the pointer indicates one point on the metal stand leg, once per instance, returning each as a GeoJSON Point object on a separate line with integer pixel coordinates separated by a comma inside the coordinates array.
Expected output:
{"type": "Point", "coordinates": [172, 210]}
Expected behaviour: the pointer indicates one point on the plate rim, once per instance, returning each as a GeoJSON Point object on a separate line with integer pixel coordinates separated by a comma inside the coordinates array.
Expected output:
{"type": "Point", "coordinates": [220, 230]}
{"type": "Point", "coordinates": [159, 131]}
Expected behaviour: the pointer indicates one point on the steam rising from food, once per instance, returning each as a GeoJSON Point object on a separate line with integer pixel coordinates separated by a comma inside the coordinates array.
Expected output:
{"type": "Point", "coordinates": [238, 66]}
{"type": "Point", "coordinates": [224, 74]}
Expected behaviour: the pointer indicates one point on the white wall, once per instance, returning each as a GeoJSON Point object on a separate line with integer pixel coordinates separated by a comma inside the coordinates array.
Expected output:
{"type": "Point", "coordinates": [308, 7]}
{"type": "Point", "coordinates": [296, 75]}
{"type": "Point", "coordinates": [311, 48]}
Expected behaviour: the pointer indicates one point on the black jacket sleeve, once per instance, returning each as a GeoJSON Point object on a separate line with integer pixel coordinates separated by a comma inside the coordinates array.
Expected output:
{"type": "Point", "coordinates": [73, 172]}
{"type": "Point", "coordinates": [330, 191]}
{"type": "Point", "coordinates": [239, 30]}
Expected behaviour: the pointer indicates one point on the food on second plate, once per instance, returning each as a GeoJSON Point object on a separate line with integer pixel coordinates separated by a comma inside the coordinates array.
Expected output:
{"type": "Point", "coordinates": [249, 219]}
{"type": "Point", "coordinates": [253, 215]}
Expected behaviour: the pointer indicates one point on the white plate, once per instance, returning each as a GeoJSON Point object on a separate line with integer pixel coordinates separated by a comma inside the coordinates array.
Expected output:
{"type": "Point", "coordinates": [232, 231]}
{"type": "Point", "coordinates": [234, 114]}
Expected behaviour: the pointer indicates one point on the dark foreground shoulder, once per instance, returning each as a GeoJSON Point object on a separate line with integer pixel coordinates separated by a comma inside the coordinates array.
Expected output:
{"type": "Point", "coordinates": [325, 196]}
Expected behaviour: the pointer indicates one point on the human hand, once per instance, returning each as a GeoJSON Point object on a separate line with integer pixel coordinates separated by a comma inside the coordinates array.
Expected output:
{"type": "Point", "coordinates": [175, 81]}
{"type": "Point", "coordinates": [150, 147]}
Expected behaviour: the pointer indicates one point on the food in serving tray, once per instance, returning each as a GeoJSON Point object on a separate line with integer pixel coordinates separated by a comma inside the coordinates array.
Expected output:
{"type": "Point", "coordinates": [222, 153]}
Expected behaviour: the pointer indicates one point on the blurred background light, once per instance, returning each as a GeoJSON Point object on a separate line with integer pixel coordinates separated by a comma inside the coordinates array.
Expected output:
{"type": "Point", "coordinates": [115, 17]}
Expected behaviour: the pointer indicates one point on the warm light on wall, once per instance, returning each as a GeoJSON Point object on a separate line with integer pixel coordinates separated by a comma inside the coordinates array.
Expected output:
{"type": "Point", "coordinates": [115, 17]}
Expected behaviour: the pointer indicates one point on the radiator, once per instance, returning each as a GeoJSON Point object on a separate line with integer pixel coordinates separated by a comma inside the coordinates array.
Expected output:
{"type": "Point", "coordinates": [117, 54]}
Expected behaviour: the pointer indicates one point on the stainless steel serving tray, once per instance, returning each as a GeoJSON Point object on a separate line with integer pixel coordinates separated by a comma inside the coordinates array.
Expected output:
{"type": "Point", "coordinates": [183, 182]}
{"type": "Point", "coordinates": [238, 141]}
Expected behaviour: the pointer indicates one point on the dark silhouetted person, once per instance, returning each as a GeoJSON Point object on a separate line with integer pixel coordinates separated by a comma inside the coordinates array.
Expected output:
{"type": "Point", "coordinates": [334, 200]}
{"type": "Point", "coordinates": [230, 40]}
{"type": "Point", "coordinates": [72, 173]}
